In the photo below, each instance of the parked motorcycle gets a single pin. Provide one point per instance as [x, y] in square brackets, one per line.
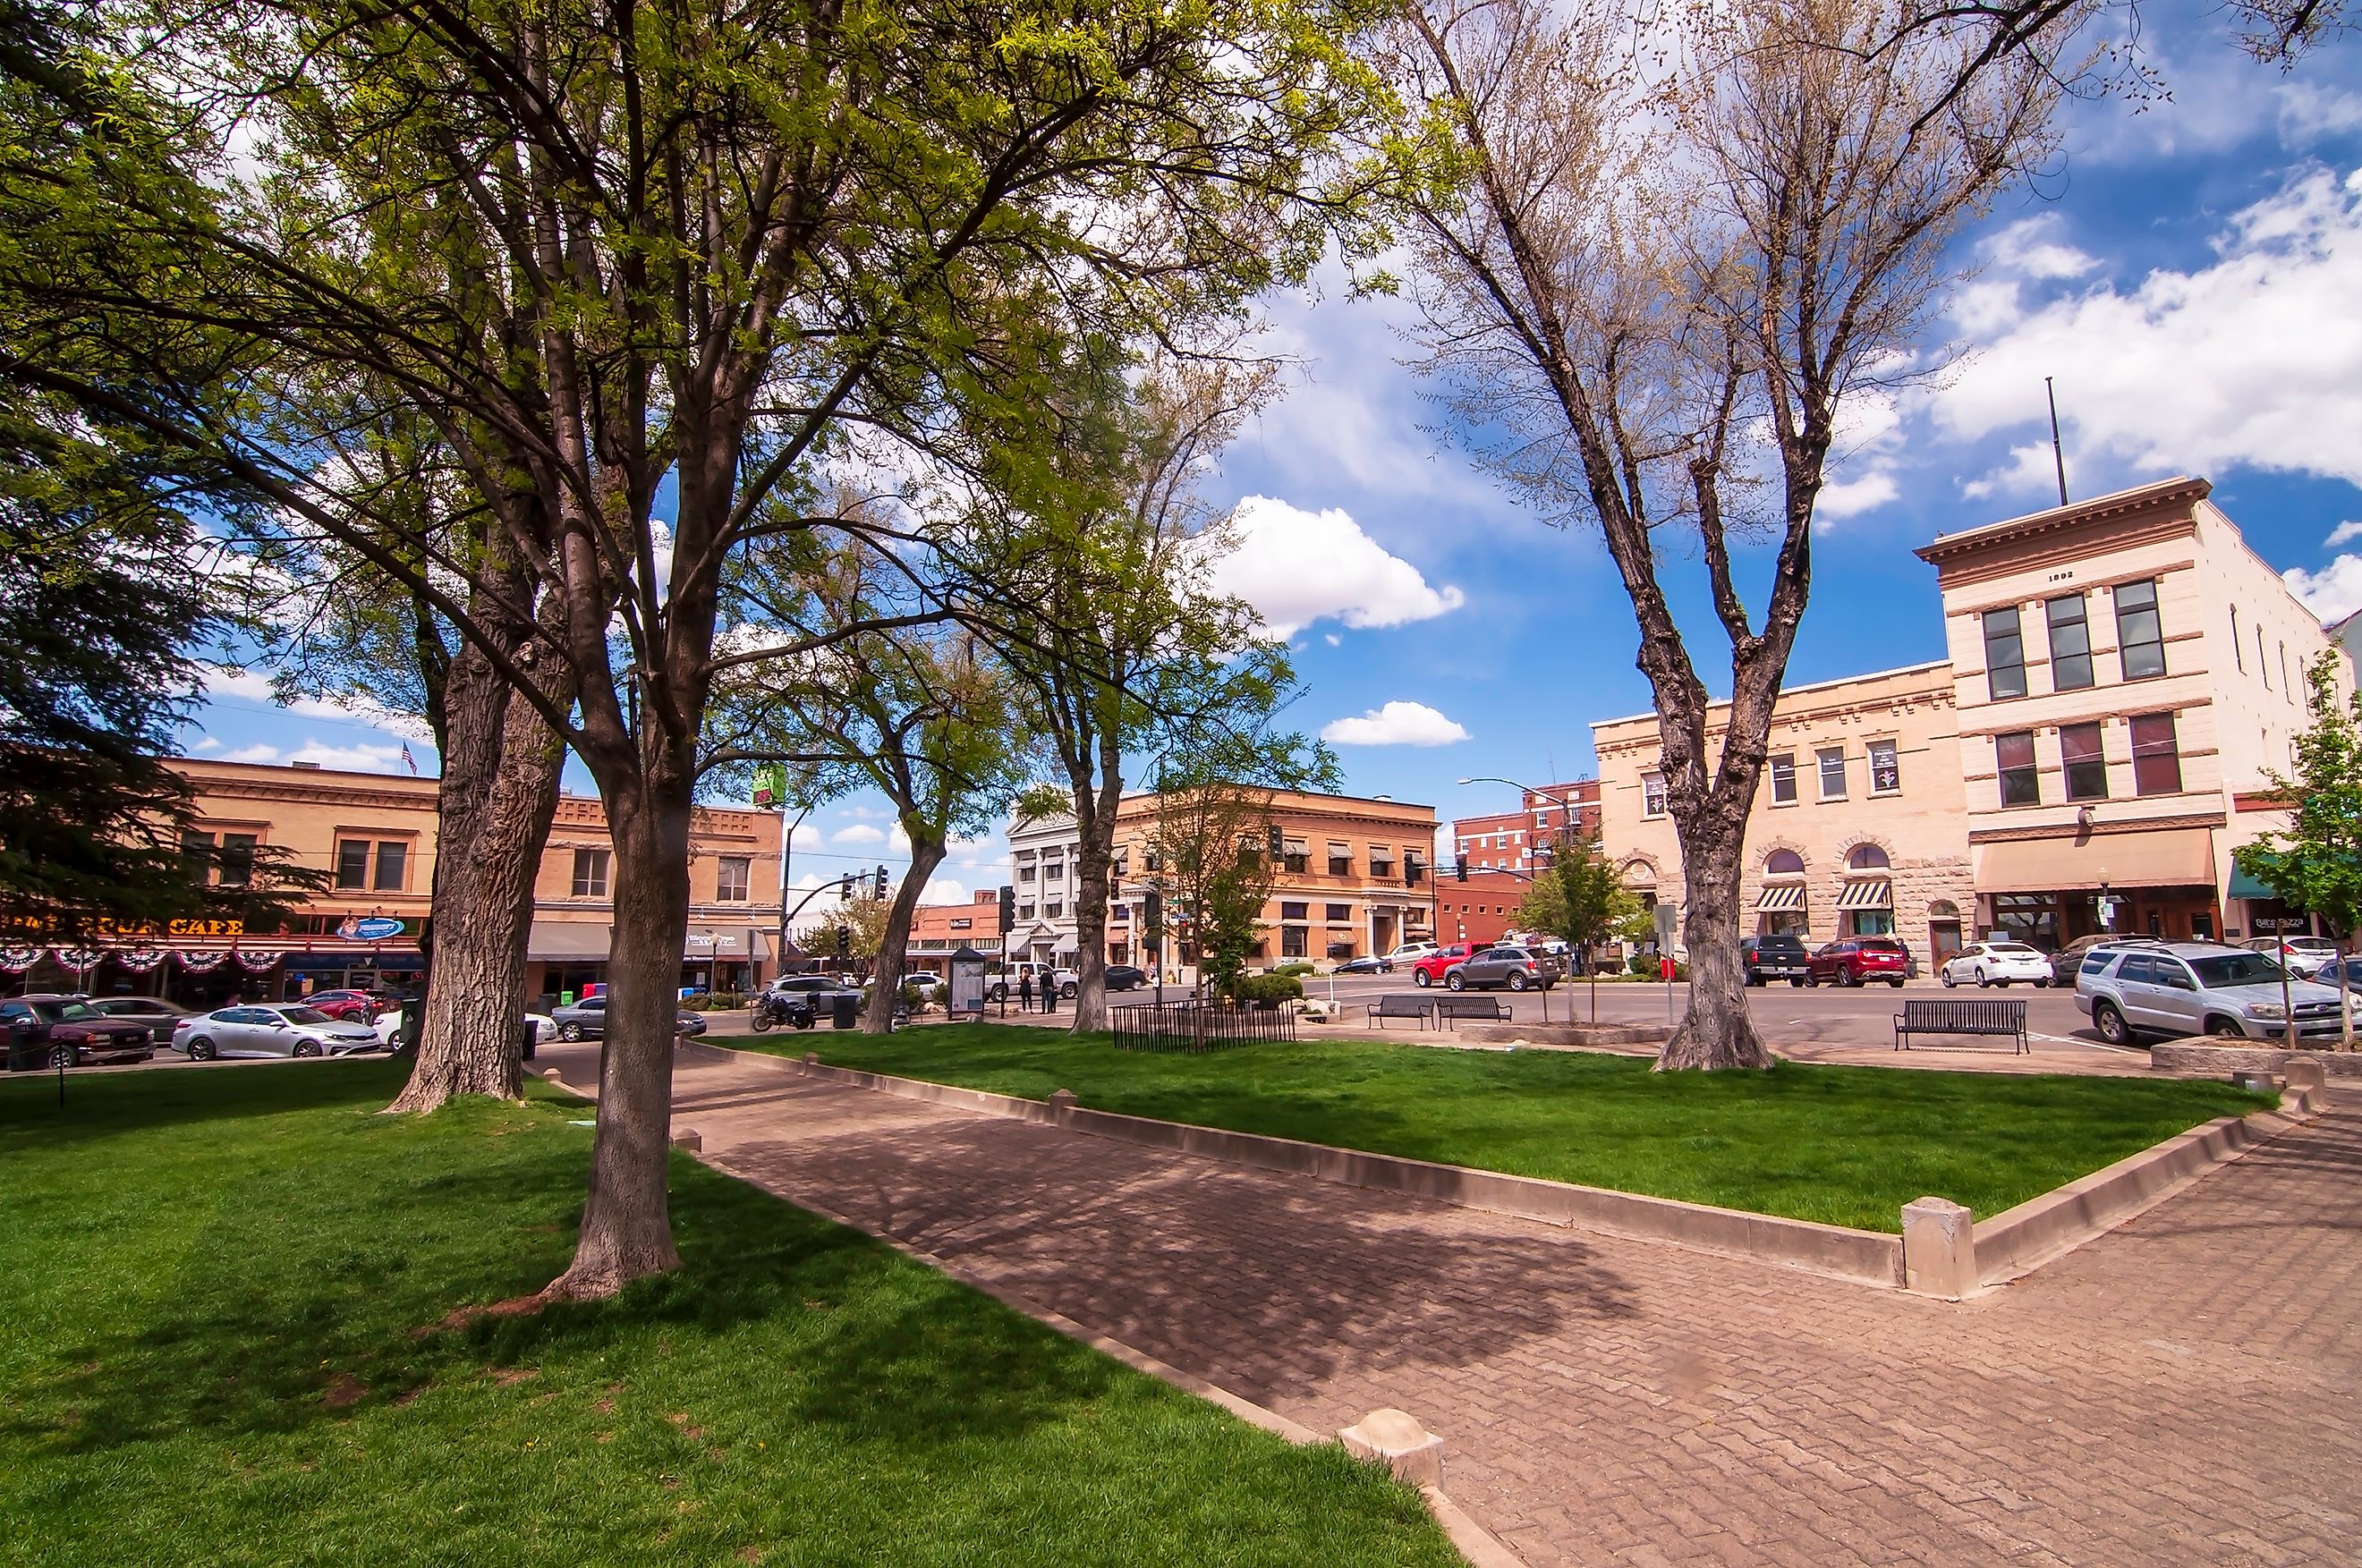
[781, 1009]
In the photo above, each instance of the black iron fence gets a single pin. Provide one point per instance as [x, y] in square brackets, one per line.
[1188, 1026]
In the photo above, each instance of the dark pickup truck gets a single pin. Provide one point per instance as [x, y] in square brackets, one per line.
[1778, 956]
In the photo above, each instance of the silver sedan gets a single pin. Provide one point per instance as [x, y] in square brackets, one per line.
[270, 1029]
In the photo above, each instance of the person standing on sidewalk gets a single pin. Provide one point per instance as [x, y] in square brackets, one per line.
[1050, 991]
[1025, 991]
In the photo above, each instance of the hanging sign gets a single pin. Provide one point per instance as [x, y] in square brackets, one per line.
[368, 927]
[770, 785]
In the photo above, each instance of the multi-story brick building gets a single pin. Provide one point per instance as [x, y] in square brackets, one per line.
[1353, 877]
[1858, 828]
[1482, 909]
[1511, 841]
[939, 930]
[374, 836]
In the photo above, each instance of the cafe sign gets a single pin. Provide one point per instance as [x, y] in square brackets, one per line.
[368, 927]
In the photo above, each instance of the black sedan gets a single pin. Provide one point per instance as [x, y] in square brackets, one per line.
[1369, 963]
[1125, 977]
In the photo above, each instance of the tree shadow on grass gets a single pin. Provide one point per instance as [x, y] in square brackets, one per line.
[1263, 1283]
[109, 1105]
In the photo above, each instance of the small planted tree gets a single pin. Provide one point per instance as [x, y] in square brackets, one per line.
[1581, 900]
[2316, 865]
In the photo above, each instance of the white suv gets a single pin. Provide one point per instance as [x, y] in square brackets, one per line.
[2197, 988]
[1410, 953]
[1006, 985]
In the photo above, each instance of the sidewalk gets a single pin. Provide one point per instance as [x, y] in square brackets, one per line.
[2186, 1389]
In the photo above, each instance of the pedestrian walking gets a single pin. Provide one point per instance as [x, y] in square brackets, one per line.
[1025, 991]
[1049, 991]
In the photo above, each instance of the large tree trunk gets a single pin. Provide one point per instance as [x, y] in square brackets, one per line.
[627, 1228]
[1717, 1030]
[1095, 809]
[499, 793]
[893, 948]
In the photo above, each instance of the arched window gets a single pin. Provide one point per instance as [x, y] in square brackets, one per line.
[1867, 858]
[1783, 863]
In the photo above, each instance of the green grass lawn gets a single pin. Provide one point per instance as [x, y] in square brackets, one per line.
[217, 1293]
[1846, 1145]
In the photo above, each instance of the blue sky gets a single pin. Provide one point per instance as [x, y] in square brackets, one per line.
[2193, 278]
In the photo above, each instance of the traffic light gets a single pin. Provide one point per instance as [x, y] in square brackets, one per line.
[1008, 909]
[845, 941]
[1460, 868]
[1411, 869]
[844, 888]
[1151, 913]
[1278, 844]
[881, 885]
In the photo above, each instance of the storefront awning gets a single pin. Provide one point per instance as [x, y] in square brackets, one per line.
[1780, 897]
[2172, 856]
[2244, 886]
[1867, 893]
[565, 942]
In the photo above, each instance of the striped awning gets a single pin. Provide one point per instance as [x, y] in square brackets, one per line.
[1867, 893]
[1780, 897]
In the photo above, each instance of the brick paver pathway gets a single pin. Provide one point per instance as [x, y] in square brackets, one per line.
[2186, 1389]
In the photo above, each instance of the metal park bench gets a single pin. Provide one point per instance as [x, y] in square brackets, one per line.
[1988, 1018]
[1488, 1008]
[1402, 1004]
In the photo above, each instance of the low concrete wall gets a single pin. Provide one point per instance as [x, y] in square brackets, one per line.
[2205, 1055]
[1634, 1038]
[2020, 1239]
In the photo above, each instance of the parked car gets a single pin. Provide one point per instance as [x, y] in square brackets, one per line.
[1857, 960]
[1996, 963]
[2198, 988]
[1010, 981]
[1368, 963]
[272, 1029]
[354, 1004]
[1778, 955]
[2070, 959]
[1410, 953]
[1126, 977]
[544, 1028]
[156, 1014]
[1519, 969]
[63, 1031]
[2307, 956]
[1431, 967]
[587, 1020]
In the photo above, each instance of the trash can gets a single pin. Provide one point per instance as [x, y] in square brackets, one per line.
[846, 1010]
[530, 1038]
[414, 1019]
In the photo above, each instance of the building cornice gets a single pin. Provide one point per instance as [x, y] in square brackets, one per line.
[2181, 490]
[2096, 830]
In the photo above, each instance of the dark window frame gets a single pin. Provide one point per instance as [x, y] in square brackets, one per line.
[353, 865]
[2154, 761]
[1782, 768]
[2084, 766]
[2021, 782]
[2070, 644]
[2005, 654]
[2135, 652]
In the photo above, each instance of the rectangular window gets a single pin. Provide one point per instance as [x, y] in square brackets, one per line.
[2013, 756]
[2086, 766]
[2288, 689]
[1340, 914]
[236, 859]
[730, 878]
[1382, 862]
[392, 859]
[1054, 908]
[2140, 639]
[1783, 779]
[591, 874]
[2238, 654]
[1292, 943]
[1292, 911]
[2005, 654]
[1833, 782]
[2157, 755]
[1652, 794]
[352, 862]
[2070, 644]
[1296, 862]
[1025, 873]
[1885, 768]
[1025, 912]
[1341, 861]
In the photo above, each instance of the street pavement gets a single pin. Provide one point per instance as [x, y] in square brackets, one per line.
[2186, 1389]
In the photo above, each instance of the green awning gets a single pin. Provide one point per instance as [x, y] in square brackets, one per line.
[2244, 886]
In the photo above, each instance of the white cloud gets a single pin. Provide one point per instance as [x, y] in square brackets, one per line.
[859, 833]
[1332, 639]
[361, 759]
[2255, 360]
[1297, 568]
[206, 744]
[244, 686]
[2333, 593]
[2031, 470]
[898, 841]
[942, 890]
[1399, 723]
[1849, 497]
[2344, 533]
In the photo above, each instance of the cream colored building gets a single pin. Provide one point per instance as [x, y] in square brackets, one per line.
[2126, 671]
[1857, 829]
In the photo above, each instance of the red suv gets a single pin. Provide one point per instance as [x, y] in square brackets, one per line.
[350, 1006]
[1430, 970]
[1856, 961]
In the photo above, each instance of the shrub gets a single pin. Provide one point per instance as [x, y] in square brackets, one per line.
[912, 998]
[713, 1001]
[1295, 967]
[1640, 963]
[1267, 989]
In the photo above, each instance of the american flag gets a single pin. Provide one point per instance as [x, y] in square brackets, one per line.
[407, 759]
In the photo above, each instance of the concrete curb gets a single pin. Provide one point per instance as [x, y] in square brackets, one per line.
[1862, 1257]
[2215, 1059]
[2018, 1241]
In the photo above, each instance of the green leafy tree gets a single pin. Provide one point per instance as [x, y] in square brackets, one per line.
[1581, 900]
[2316, 865]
